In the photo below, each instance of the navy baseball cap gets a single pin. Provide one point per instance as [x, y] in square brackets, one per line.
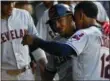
[57, 11]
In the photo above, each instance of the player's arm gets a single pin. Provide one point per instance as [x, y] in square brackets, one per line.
[55, 48]
[75, 45]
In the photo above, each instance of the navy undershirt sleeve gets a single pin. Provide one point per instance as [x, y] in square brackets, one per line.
[56, 48]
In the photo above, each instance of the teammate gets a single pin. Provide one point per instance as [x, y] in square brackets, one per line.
[15, 23]
[88, 56]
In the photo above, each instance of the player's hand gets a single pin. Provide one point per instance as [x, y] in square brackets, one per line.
[27, 40]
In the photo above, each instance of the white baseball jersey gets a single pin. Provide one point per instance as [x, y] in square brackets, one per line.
[102, 14]
[44, 29]
[92, 61]
[14, 54]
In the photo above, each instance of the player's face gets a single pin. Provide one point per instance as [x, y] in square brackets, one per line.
[7, 7]
[78, 19]
[64, 25]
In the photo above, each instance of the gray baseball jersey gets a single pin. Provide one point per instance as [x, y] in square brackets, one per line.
[63, 64]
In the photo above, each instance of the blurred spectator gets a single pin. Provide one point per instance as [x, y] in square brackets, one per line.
[40, 8]
[106, 5]
[25, 5]
[102, 15]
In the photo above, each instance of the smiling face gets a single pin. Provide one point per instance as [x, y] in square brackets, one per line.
[7, 8]
[64, 25]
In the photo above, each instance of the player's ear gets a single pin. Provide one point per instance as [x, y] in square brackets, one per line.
[81, 15]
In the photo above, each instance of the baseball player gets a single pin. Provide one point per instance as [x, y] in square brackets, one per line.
[90, 59]
[15, 23]
[44, 31]
[54, 62]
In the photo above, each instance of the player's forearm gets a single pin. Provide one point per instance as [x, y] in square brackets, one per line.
[55, 48]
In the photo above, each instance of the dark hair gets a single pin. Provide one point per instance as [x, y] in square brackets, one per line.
[88, 7]
[6, 2]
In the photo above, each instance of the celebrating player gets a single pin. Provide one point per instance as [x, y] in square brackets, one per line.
[89, 46]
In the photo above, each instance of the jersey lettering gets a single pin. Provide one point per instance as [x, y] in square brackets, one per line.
[105, 69]
[21, 33]
[77, 37]
[12, 34]
[16, 35]
[3, 38]
[105, 59]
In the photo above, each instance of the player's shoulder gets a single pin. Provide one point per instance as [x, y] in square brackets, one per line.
[92, 30]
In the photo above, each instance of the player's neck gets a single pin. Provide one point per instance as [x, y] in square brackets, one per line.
[91, 22]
